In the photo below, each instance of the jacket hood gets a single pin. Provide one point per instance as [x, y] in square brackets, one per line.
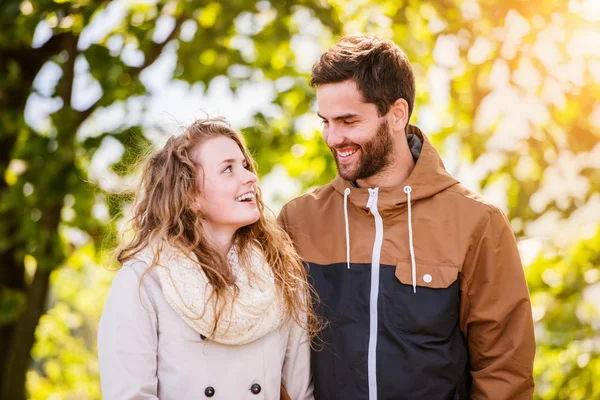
[428, 177]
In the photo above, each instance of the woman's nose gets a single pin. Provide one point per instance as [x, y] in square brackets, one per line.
[249, 177]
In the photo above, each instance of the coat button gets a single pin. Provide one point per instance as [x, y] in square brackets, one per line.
[255, 388]
[209, 391]
[427, 278]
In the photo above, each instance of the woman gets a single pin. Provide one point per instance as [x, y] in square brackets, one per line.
[210, 301]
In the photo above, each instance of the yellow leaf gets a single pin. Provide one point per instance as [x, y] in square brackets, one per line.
[208, 15]
[208, 57]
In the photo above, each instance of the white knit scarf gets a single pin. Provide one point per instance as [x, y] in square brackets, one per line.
[257, 310]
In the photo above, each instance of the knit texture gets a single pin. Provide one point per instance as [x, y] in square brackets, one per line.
[256, 311]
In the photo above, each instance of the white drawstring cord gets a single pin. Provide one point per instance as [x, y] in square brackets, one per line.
[346, 193]
[408, 190]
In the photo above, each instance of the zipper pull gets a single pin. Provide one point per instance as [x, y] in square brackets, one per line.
[372, 197]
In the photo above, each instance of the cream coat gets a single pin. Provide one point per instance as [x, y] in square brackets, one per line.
[147, 351]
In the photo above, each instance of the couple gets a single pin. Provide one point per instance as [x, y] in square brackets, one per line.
[417, 287]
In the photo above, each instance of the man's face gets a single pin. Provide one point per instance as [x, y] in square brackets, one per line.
[360, 140]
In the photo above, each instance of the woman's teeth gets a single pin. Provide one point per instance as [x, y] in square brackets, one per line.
[244, 197]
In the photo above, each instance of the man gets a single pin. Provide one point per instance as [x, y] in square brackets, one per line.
[419, 278]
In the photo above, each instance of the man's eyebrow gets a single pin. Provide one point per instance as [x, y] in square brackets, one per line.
[340, 117]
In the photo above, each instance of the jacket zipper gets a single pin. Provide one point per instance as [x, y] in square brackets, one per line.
[373, 303]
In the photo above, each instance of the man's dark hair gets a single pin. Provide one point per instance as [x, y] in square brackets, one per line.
[379, 67]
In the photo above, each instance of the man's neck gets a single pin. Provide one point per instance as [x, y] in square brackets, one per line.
[395, 174]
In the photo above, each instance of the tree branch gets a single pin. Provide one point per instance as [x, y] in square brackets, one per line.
[153, 54]
[68, 78]
[156, 51]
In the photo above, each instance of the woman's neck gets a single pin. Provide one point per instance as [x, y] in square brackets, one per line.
[221, 237]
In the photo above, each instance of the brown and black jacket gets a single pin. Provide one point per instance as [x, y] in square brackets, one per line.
[422, 286]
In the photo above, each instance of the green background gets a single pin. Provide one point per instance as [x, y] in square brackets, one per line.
[509, 92]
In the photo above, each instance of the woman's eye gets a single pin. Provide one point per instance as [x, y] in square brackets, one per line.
[228, 169]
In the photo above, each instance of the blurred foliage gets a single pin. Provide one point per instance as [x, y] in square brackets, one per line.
[509, 92]
[562, 285]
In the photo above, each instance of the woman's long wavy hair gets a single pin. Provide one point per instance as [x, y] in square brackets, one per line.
[166, 209]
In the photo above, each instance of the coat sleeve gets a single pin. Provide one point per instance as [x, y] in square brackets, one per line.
[496, 315]
[296, 374]
[128, 339]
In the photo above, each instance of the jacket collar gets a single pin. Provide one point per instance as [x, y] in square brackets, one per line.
[428, 178]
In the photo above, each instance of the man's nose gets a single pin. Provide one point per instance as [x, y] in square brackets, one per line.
[333, 136]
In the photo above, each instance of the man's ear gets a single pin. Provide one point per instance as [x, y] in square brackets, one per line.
[399, 115]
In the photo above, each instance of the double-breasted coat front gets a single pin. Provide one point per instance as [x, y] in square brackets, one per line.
[147, 351]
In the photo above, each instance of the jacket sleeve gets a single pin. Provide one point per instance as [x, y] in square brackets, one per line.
[496, 315]
[128, 340]
[296, 374]
[283, 219]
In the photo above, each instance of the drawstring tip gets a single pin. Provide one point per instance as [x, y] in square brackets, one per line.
[414, 289]
[346, 194]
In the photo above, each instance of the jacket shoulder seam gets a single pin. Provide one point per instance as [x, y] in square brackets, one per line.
[302, 196]
[490, 207]
[317, 189]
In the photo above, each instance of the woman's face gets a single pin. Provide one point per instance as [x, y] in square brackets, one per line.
[227, 187]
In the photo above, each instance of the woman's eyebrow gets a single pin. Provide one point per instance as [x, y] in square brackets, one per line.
[232, 160]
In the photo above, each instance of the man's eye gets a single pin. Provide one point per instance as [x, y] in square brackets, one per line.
[324, 122]
[349, 122]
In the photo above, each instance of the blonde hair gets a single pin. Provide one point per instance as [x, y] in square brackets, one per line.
[166, 208]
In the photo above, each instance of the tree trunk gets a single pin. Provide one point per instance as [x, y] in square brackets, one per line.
[12, 273]
[18, 356]
[11, 277]
[17, 337]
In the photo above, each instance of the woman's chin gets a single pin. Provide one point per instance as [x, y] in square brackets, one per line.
[250, 220]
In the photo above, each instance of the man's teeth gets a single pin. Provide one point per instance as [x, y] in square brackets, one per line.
[347, 153]
[247, 196]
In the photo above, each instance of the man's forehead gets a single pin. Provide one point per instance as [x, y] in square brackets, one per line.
[346, 90]
[336, 100]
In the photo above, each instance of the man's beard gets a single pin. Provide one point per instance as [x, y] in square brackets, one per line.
[375, 156]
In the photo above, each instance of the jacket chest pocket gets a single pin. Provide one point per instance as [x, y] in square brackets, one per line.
[433, 308]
